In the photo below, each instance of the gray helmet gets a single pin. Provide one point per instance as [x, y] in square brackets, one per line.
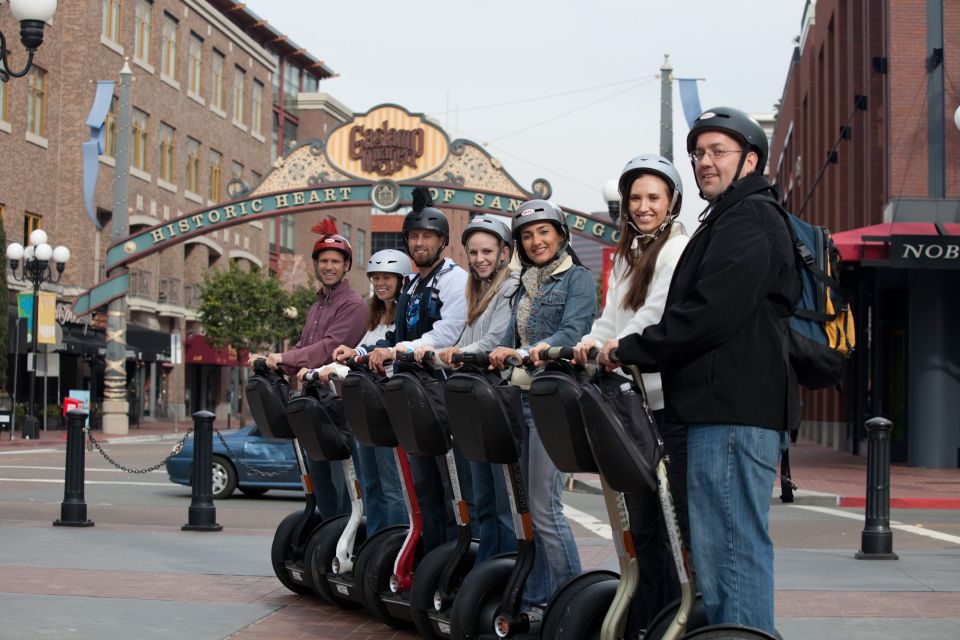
[538, 211]
[429, 219]
[489, 224]
[389, 261]
[658, 166]
[736, 123]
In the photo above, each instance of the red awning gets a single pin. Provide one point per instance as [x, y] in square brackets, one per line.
[199, 351]
[869, 243]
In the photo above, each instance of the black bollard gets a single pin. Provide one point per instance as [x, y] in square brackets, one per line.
[876, 541]
[73, 509]
[202, 515]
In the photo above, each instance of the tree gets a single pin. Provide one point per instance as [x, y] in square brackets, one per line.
[295, 311]
[243, 310]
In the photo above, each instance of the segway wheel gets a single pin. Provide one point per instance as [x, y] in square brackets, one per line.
[281, 551]
[477, 601]
[427, 580]
[321, 550]
[577, 610]
[372, 572]
[729, 632]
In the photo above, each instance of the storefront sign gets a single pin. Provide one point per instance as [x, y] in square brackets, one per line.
[387, 142]
[925, 252]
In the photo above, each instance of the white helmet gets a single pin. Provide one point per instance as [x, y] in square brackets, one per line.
[389, 261]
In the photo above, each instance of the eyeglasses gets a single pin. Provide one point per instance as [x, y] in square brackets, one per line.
[716, 154]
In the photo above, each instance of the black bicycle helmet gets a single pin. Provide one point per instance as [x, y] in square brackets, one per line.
[425, 217]
[736, 123]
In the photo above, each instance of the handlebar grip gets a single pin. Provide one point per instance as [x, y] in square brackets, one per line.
[406, 356]
[312, 376]
[514, 361]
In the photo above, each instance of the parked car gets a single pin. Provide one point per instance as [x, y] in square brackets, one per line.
[254, 464]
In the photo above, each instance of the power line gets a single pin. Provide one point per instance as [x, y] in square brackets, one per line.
[537, 98]
[563, 115]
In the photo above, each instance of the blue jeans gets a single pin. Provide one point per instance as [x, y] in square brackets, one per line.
[730, 473]
[380, 480]
[494, 519]
[557, 559]
[329, 487]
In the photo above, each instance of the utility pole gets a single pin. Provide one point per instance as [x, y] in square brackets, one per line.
[116, 419]
[666, 108]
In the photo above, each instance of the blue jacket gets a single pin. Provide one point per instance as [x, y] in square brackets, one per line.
[562, 314]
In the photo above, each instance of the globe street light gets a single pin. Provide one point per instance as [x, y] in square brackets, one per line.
[33, 16]
[611, 196]
[36, 270]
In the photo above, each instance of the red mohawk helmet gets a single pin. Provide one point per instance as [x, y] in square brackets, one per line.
[333, 242]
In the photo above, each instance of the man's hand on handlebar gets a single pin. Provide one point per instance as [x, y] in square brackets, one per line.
[380, 355]
[343, 353]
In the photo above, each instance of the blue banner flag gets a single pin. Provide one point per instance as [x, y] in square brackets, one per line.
[92, 148]
[690, 99]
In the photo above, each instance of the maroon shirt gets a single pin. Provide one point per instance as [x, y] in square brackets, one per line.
[337, 318]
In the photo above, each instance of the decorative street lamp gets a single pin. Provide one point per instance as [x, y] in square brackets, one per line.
[33, 16]
[36, 270]
[611, 196]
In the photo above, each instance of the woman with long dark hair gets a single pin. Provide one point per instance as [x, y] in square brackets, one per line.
[650, 245]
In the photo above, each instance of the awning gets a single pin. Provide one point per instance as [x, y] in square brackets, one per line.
[873, 243]
[200, 351]
[148, 344]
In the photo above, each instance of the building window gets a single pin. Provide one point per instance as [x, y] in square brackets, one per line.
[31, 222]
[256, 116]
[287, 234]
[166, 152]
[216, 159]
[110, 29]
[291, 82]
[196, 63]
[236, 170]
[386, 240]
[141, 44]
[346, 231]
[110, 128]
[169, 62]
[239, 78]
[216, 92]
[360, 250]
[37, 102]
[310, 83]
[193, 165]
[139, 123]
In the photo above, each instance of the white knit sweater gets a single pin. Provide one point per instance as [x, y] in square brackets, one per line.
[616, 322]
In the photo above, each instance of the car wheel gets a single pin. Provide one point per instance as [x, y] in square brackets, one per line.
[253, 492]
[224, 478]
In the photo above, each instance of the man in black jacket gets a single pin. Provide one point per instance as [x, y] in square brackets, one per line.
[721, 351]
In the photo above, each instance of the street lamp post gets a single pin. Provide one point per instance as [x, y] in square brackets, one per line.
[33, 16]
[36, 270]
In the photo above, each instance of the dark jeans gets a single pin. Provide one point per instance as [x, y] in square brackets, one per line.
[494, 517]
[435, 496]
[658, 584]
[329, 487]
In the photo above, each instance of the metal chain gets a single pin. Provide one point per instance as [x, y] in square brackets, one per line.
[176, 450]
[249, 469]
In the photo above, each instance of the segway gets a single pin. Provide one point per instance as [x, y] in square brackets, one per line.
[488, 428]
[267, 394]
[593, 604]
[317, 420]
[387, 558]
[419, 418]
[627, 463]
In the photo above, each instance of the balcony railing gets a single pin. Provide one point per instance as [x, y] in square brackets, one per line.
[141, 283]
[169, 291]
[191, 296]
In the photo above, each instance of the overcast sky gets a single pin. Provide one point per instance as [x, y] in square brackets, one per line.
[452, 60]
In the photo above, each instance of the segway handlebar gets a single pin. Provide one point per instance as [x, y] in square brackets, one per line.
[408, 356]
[482, 359]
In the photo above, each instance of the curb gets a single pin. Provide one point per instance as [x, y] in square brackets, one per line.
[902, 503]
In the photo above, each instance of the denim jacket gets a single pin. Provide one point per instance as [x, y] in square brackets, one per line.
[564, 312]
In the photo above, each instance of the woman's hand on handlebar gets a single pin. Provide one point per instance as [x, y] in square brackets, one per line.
[604, 357]
[581, 352]
[343, 353]
[420, 352]
[499, 356]
[378, 356]
[446, 356]
[535, 353]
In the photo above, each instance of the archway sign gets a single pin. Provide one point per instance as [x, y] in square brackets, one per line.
[376, 159]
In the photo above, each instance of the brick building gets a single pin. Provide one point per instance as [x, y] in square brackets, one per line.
[865, 144]
[215, 91]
